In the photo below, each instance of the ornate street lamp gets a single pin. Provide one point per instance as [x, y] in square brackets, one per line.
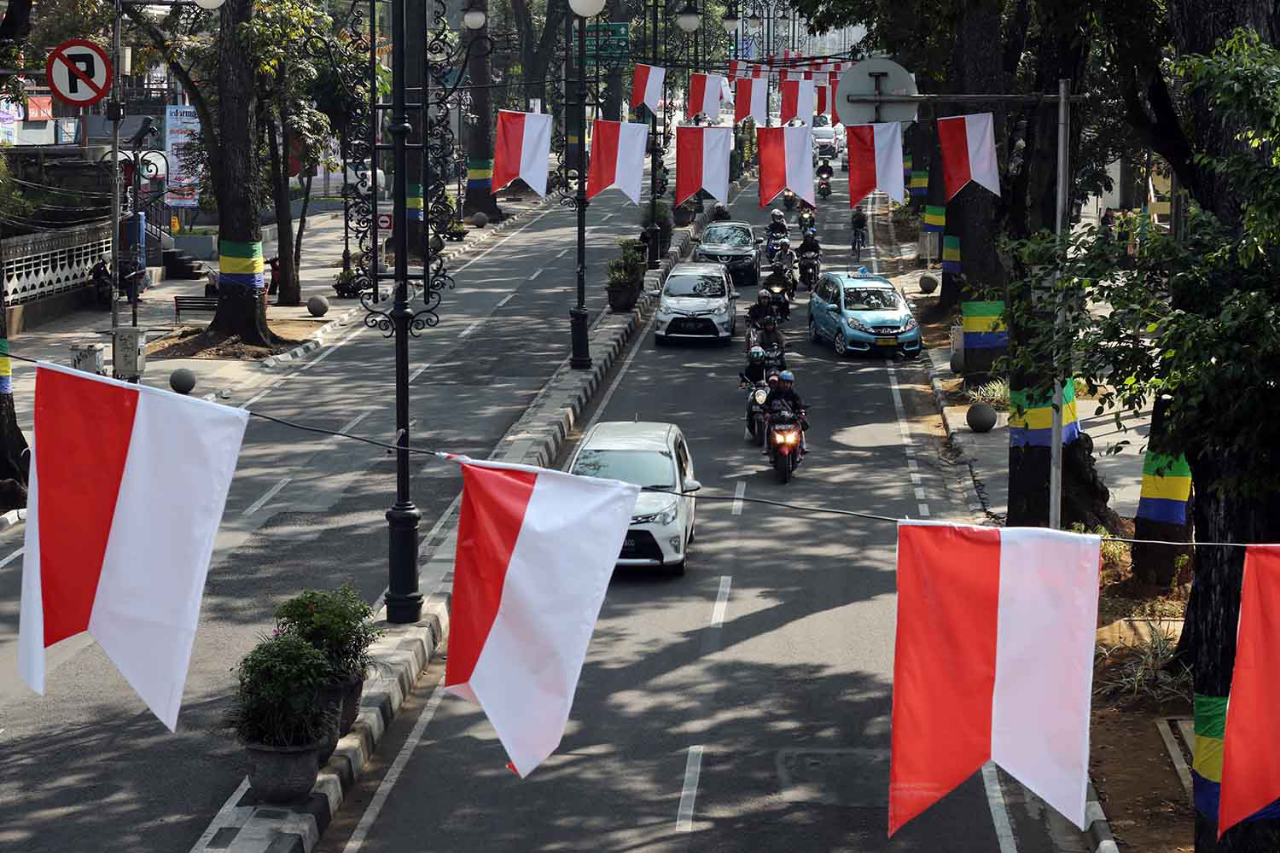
[731, 21]
[689, 17]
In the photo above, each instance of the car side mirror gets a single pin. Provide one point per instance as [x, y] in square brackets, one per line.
[759, 241]
[696, 240]
[692, 485]
[834, 309]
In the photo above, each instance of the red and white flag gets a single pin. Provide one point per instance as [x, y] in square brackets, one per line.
[522, 150]
[126, 491]
[704, 96]
[824, 101]
[702, 162]
[875, 161]
[993, 662]
[1251, 742]
[536, 549]
[968, 152]
[751, 100]
[798, 101]
[617, 158]
[646, 86]
[739, 68]
[786, 161]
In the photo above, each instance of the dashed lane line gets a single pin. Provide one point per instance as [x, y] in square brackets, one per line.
[271, 493]
[689, 795]
[738, 492]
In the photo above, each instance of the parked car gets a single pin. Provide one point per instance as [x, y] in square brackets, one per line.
[698, 301]
[858, 312]
[735, 245]
[655, 457]
[360, 178]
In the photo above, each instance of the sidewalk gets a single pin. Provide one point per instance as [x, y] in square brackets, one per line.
[321, 261]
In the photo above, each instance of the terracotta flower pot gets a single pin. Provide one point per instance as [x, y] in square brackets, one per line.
[623, 298]
[282, 774]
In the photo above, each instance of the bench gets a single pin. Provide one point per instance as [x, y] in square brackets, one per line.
[207, 304]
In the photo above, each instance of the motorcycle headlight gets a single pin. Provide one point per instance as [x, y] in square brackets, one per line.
[760, 396]
[857, 325]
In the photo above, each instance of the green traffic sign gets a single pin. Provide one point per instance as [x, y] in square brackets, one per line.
[606, 40]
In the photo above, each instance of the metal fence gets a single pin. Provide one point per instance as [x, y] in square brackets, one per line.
[37, 266]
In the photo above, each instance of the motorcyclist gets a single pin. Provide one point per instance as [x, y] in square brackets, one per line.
[101, 277]
[780, 277]
[825, 170]
[785, 394]
[771, 337]
[785, 255]
[755, 370]
[719, 213]
[762, 308]
[810, 243]
[777, 224]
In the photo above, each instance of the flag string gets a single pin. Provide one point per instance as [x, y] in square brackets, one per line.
[819, 510]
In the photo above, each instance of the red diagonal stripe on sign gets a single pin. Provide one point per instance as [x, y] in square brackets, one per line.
[84, 78]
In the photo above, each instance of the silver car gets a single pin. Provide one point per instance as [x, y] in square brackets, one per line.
[698, 301]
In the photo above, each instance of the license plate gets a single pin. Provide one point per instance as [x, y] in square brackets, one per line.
[629, 544]
[886, 342]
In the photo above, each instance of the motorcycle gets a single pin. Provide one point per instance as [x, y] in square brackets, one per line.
[755, 412]
[774, 360]
[805, 220]
[824, 188]
[788, 199]
[102, 290]
[785, 438]
[771, 245]
[810, 266]
[785, 291]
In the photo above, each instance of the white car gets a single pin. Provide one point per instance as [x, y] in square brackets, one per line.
[360, 178]
[698, 301]
[655, 457]
[825, 144]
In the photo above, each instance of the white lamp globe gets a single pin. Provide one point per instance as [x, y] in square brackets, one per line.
[473, 19]
[730, 22]
[586, 8]
[210, 5]
[688, 19]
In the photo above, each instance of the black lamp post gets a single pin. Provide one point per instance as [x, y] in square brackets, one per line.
[580, 358]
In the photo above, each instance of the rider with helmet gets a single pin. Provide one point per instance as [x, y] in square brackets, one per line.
[719, 213]
[755, 370]
[781, 278]
[777, 224]
[858, 223]
[786, 256]
[785, 394]
[771, 337]
[762, 308]
[810, 242]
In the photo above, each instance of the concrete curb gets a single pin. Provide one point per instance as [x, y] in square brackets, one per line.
[951, 422]
[401, 654]
[1100, 836]
[404, 651]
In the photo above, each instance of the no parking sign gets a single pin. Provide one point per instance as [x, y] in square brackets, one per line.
[79, 72]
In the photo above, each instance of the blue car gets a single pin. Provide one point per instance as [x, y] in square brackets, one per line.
[859, 312]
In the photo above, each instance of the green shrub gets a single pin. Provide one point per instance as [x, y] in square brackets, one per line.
[275, 702]
[339, 624]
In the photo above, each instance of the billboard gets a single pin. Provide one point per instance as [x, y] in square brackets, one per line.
[181, 129]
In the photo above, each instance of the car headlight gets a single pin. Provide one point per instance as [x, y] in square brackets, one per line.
[910, 324]
[665, 308]
[664, 517]
[857, 325]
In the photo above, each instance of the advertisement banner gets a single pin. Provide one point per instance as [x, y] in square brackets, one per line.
[181, 128]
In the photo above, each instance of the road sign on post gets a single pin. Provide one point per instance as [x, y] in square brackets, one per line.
[609, 42]
[79, 72]
[385, 222]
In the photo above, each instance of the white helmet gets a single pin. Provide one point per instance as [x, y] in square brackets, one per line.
[784, 243]
[776, 215]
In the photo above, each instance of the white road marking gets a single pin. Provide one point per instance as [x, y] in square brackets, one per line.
[500, 242]
[15, 555]
[722, 601]
[506, 299]
[357, 839]
[692, 770]
[351, 424]
[908, 445]
[920, 495]
[562, 253]
[271, 493]
[470, 328]
[999, 814]
[221, 818]
[924, 510]
[322, 356]
[536, 273]
[738, 491]
[915, 478]
[606, 217]
[418, 372]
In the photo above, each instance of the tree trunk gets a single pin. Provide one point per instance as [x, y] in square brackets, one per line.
[15, 455]
[302, 222]
[480, 198]
[242, 299]
[278, 140]
[1157, 565]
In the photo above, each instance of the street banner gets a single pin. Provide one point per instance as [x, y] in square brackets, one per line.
[536, 550]
[751, 100]
[704, 96]
[617, 158]
[702, 162]
[798, 101]
[875, 161]
[1245, 753]
[181, 130]
[522, 150]
[993, 662]
[646, 86]
[968, 146]
[786, 162]
[126, 492]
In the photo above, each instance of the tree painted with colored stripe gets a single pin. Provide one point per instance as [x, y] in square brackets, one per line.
[478, 131]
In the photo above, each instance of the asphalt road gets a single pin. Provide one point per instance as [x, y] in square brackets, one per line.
[87, 767]
[742, 707]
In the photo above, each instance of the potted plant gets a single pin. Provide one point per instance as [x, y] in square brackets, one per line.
[626, 276]
[277, 718]
[338, 624]
[683, 214]
[665, 225]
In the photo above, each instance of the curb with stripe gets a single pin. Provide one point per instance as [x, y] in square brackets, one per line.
[404, 651]
[1100, 837]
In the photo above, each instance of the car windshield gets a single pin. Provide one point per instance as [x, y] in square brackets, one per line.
[725, 236]
[870, 299]
[652, 469]
[695, 285]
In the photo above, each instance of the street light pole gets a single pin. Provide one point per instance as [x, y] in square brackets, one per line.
[580, 358]
[655, 163]
[115, 112]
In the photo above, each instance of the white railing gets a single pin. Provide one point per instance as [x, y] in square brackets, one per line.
[37, 266]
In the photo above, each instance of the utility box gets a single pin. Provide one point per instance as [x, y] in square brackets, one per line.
[91, 358]
[130, 352]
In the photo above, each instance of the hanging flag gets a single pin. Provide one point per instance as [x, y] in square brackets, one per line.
[875, 161]
[646, 86]
[821, 92]
[726, 94]
[751, 100]
[536, 549]
[1250, 761]
[797, 101]
[786, 161]
[702, 162]
[617, 158]
[968, 147]
[735, 68]
[704, 96]
[522, 150]
[127, 488]
[935, 218]
[993, 661]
